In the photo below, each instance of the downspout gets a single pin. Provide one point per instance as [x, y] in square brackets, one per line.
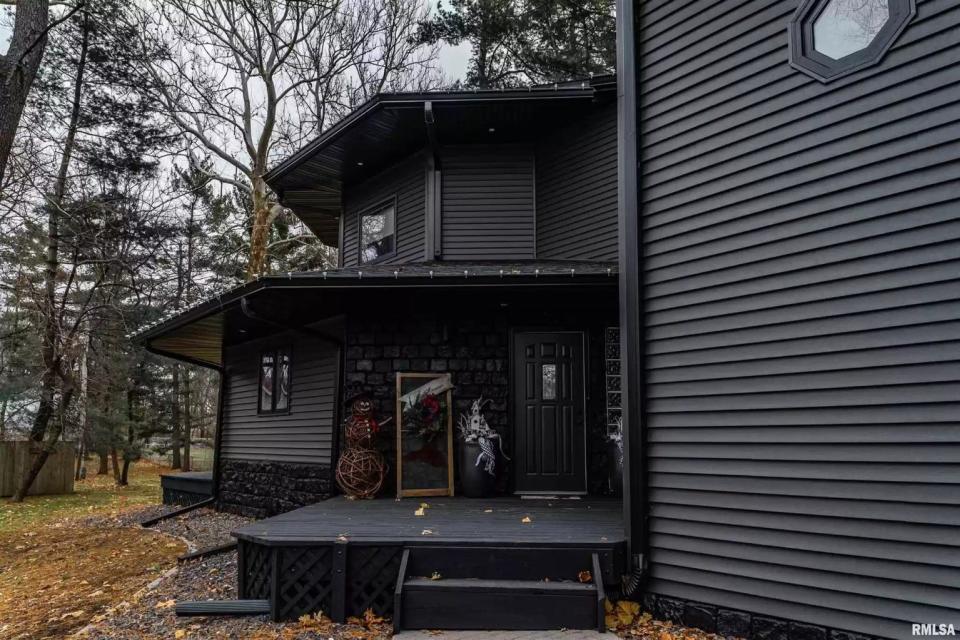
[632, 333]
[434, 194]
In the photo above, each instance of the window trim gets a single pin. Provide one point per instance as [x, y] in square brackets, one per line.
[275, 352]
[805, 58]
[382, 204]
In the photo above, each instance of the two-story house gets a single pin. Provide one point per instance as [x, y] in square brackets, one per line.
[747, 248]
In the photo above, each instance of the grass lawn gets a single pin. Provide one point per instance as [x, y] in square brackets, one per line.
[95, 495]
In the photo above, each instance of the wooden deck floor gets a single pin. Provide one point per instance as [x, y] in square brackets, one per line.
[589, 522]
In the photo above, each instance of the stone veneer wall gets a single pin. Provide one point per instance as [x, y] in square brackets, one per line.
[475, 350]
[732, 623]
[263, 489]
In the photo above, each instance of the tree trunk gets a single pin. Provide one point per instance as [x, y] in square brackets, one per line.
[76, 473]
[18, 68]
[260, 233]
[187, 421]
[48, 446]
[116, 465]
[51, 328]
[176, 437]
[104, 463]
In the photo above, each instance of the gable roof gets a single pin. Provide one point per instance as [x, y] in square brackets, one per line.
[391, 126]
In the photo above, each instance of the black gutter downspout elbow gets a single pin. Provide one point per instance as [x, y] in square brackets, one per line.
[632, 323]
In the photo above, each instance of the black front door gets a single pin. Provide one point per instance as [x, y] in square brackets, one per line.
[548, 392]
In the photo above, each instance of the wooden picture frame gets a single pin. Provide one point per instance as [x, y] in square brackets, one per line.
[420, 479]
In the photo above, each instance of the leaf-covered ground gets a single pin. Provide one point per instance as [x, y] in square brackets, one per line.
[79, 566]
[59, 567]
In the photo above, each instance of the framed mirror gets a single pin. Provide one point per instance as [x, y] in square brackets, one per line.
[424, 434]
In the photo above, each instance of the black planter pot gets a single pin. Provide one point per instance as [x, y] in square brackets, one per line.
[476, 482]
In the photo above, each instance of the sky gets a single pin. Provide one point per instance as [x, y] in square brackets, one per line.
[454, 60]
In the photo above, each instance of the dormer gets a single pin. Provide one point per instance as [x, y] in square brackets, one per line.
[464, 176]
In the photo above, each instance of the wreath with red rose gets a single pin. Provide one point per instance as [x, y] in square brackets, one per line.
[424, 417]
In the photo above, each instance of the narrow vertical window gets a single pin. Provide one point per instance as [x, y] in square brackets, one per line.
[549, 376]
[283, 381]
[275, 381]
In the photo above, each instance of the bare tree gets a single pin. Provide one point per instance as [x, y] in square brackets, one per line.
[250, 80]
[19, 66]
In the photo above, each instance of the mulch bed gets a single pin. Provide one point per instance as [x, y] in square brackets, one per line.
[151, 615]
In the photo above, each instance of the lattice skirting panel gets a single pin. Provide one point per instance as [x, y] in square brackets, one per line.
[339, 579]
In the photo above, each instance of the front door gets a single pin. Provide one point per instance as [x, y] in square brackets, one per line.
[548, 392]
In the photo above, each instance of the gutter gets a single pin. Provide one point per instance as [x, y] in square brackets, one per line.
[417, 100]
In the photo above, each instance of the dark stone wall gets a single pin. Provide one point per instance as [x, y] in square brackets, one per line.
[732, 623]
[263, 489]
[473, 344]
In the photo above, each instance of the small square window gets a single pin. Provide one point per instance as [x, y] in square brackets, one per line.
[377, 233]
[275, 382]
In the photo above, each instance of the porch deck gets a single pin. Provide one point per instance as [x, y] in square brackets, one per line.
[586, 522]
[343, 557]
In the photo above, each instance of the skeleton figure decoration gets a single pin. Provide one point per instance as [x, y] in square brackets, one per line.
[473, 427]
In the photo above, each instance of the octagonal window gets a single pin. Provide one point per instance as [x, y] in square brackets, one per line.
[848, 26]
[833, 38]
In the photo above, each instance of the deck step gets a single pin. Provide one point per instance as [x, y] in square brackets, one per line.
[499, 588]
[465, 603]
[223, 608]
[503, 563]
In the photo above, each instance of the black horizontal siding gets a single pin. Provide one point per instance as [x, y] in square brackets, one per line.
[802, 290]
[488, 203]
[305, 434]
[404, 182]
[577, 189]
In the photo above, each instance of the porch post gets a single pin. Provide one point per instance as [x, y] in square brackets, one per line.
[632, 342]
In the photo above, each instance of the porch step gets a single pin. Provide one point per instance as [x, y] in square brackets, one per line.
[510, 589]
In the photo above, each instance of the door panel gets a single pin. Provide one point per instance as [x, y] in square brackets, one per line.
[548, 391]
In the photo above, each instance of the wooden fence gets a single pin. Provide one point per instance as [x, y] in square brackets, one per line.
[55, 477]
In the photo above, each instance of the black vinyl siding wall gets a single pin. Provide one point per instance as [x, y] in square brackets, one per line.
[406, 182]
[305, 434]
[577, 190]
[488, 203]
[802, 292]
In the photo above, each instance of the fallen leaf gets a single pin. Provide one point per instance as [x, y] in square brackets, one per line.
[180, 633]
[665, 636]
[488, 510]
[584, 576]
[166, 604]
[424, 505]
[526, 520]
[436, 575]
[419, 512]
[426, 532]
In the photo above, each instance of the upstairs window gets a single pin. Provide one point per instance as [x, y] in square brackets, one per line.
[832, 38]
[377, 233]
[275, 377]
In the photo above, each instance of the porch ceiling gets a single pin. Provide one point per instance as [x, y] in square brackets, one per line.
[295, 301]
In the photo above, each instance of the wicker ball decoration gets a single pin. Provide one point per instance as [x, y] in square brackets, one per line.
[360, 472]
[359, 432]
